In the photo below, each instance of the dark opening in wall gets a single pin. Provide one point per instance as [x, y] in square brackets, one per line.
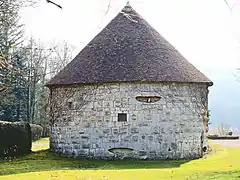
[70, 105]
[120, 149]
[148, 99]
[122, 117]
[204, 149]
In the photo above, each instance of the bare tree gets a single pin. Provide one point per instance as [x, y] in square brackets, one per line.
[223, 129]
[61, 56]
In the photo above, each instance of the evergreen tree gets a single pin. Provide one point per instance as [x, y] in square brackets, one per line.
[12, 66]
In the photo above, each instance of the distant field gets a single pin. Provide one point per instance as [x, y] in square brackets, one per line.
[222, 164]
[40, 145]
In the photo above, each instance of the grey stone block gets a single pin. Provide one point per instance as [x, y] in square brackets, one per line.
[134, 130]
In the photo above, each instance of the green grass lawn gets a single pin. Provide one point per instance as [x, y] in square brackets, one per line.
[222, 164]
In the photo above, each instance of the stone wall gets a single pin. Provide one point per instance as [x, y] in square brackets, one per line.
[85, 121]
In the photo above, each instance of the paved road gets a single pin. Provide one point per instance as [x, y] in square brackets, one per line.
[227, 143]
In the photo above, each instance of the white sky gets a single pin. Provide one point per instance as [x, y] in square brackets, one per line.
[204, 31]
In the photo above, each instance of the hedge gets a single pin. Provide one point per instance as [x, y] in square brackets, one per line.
[216, 137]
[37, 131]
[46, 131]
[15, 139]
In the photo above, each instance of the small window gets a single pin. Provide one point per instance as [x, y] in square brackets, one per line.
[122, 117]
[70, 105]
[148, 99]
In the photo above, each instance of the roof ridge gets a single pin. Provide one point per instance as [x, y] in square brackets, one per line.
[127, 8]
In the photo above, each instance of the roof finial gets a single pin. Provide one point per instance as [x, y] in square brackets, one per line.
[128, 3]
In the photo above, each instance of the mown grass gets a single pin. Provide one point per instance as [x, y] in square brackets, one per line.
[222, 164]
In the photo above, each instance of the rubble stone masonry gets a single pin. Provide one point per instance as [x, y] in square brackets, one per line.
[85, 120]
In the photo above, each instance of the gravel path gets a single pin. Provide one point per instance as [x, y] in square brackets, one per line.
[227, 143]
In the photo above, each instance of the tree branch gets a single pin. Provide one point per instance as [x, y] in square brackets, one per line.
[228, 4]
[48, 1]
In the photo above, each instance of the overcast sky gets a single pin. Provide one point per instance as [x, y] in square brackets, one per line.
[204, 31]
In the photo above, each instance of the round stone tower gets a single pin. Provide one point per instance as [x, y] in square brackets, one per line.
[129, 94]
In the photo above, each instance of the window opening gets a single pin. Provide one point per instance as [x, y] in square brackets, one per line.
[148, 99]
[70, 105]
[122, 117]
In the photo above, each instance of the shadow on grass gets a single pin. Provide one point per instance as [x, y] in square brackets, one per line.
[45, 161]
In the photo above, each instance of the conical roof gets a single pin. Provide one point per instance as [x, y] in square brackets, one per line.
[128, 49]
